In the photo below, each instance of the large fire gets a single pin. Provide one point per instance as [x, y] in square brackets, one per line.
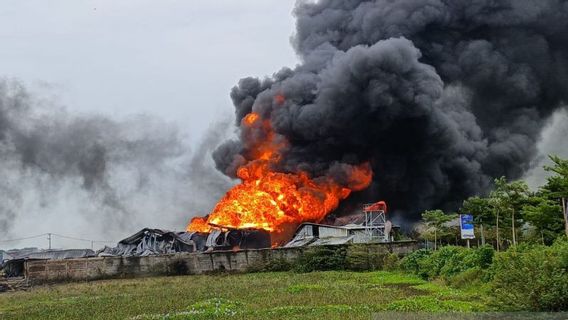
[275, 201]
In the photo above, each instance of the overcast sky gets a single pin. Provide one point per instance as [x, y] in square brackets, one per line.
[175, 59]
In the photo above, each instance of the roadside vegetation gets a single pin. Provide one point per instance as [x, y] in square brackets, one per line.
[524, 278]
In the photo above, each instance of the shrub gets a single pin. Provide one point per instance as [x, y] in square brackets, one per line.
[277, 265]
[468, 278]
[485, 256]
[357, 258]
[272, 265]
[321, 259]
[448, 262]
[414, 262]
[391, 262]
[532, 278]
[463, 260]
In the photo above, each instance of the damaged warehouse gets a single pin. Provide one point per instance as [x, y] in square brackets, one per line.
[162, 252]
[369, 226]
[150, 242]
[156, 241]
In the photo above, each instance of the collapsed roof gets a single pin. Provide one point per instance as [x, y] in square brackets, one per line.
[152, 241]
[157, 241]
[56, 254]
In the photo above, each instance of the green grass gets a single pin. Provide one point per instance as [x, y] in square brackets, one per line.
[281, 295]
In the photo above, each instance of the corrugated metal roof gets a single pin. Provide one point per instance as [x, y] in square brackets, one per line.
[321, 225]
[331, 241]
[57, 254]
[300, 242]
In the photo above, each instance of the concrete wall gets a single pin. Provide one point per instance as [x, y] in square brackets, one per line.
[42, 271]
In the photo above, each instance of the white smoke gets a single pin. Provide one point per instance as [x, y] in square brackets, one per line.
[96, 177]
[554, 141]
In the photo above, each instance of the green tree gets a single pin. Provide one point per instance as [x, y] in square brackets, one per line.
[509, 198]
[498, 206]
[436, 220]
[557, 185]
[546, 216]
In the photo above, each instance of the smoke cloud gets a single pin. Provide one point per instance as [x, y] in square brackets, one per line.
[92, 176]
[439, 96]
[553, 142]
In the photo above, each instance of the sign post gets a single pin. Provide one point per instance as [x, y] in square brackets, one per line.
[466, 227]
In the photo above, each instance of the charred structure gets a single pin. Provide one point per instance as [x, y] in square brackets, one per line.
[158, 242]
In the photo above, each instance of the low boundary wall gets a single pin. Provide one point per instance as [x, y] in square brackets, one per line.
[45, 271]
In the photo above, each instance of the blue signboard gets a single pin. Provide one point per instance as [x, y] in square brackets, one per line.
[466, 226]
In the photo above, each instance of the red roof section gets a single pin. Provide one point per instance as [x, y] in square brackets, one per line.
[377, 206]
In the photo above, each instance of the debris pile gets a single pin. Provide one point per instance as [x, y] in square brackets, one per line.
[150, 242]
[156, 241]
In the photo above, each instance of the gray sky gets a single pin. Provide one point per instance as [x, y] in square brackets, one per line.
[175, 59]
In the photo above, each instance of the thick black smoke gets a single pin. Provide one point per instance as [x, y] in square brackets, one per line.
[439, 95]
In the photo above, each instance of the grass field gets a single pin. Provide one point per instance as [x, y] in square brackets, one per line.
[329, 295]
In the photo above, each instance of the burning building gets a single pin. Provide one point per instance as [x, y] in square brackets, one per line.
[157, 241]
[370, 225]
[418, 102]
[274, 200]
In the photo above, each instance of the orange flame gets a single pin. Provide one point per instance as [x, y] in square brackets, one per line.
[273, 201]
[250, 118]
[199, 224]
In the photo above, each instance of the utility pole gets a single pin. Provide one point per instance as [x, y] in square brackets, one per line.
[49, 239]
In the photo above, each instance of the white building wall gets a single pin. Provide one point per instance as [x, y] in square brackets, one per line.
[325, 232]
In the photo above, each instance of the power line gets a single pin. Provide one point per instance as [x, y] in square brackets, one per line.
[57, 235]
[81, 239]
[25, 238]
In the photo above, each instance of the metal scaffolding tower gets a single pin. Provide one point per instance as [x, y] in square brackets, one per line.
[375, 220]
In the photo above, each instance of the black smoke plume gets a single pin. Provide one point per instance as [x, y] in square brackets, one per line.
[439, 95]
